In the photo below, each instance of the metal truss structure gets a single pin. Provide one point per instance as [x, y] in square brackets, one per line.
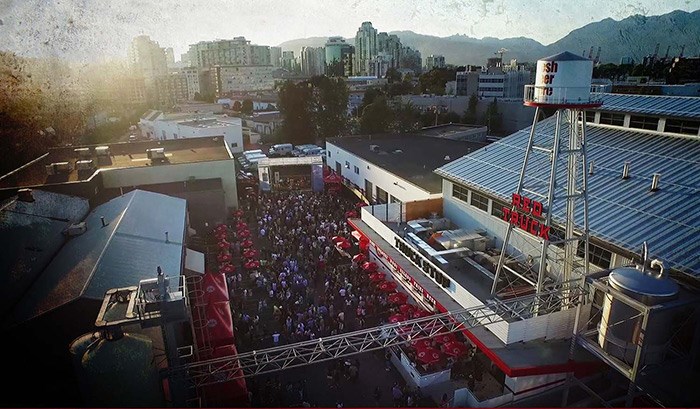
[212, 371]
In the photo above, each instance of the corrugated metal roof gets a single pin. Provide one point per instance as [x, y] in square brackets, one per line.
[30, 234]
[659, 105]
[622, 212]
[128, 249]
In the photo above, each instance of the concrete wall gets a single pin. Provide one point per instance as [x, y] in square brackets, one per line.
[403, 190]
[223, 169]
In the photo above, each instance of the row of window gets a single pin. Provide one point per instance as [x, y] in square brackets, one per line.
[679, 126]
[596, 254]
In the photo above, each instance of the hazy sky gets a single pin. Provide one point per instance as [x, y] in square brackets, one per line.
[97, 29]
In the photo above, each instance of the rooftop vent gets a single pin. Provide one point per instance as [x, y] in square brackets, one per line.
[82, 152]
[87, 164]
[25, 195]
[374, 148]
[447, 157]
[76, 229]
[655, 181]
[102, 151]
[626, 171]
[397, 151]
[591, 167]
[155, 153]
[57, 168]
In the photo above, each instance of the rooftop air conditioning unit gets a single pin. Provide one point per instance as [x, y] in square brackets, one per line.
[102, 151]
[155, 153]
[88, 164]
[58, 168]
[82, 152]
[374, 148]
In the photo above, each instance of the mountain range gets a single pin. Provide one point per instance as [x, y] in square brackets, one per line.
[634, 36]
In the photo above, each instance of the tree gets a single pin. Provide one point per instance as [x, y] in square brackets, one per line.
[370, 95]
[295, 107]
[236, 106]
[393, 75]
[247, 106]
[376, 117]
[470, 114]
[433, 81]
[329, 107]
[406, 117]
[492, 118]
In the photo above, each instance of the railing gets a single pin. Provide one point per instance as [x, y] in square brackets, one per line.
[544, 94]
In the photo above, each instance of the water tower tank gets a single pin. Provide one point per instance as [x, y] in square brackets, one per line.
[564, 78]
[620, 326]
[117, 370]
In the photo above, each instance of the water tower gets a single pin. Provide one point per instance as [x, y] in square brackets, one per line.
[563, 84]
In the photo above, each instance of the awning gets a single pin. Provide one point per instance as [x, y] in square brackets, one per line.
[194, 261]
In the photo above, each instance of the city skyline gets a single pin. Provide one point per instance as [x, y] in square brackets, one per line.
[97, 30]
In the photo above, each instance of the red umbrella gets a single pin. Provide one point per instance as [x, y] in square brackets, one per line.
[370, 266]
[351, 214]
[421, 314]
[223, 257]
[344, 245]
[397, 318]
[376, 277]
[387, 286]
[398, 298]
[241, 225]
[455, 348]
[247, 244]
[250, 253]
[244, 234]
[359, 258]
[360, 204]
[338, 239]
[429, 355]
[406, 309]
[252, 264]
[220, 227]
[223, 244]
[227, 269]
[221, 236]
[421, 344]
[238, 213]
[445, 338]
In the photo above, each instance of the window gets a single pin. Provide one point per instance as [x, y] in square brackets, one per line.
[392, 199]
[234, 144]
[357, 170]
[497, 208]
[460, 192]
[590, 117]
[328, 153]
[382, 195]
[683, 126]
[347, 165]
[644, 122]
[609, 118]
[369, 189]
[596, 255]
[480, 202]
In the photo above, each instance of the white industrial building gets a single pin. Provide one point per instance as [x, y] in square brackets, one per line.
[386, 169]
[163, 126]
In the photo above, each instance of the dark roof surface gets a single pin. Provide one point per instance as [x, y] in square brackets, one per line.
[122, 155]
[419, 155]
[127, 250]
[30, 235]
[622, 212]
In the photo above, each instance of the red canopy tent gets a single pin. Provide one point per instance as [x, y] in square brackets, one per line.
[421, 344]
[364, 244]
[428, 355]
[376, 277]
[337, 239]
[215, 288]
[219, 323]
[398, 298]
[232, 393]
[333, 181]
[387, 286]
[343, 245]
[359, 258]
[455, 348]
[421, 313]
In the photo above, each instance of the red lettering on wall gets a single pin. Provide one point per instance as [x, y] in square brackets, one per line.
[536, 208]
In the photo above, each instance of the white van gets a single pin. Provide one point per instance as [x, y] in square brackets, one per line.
[316, 150]
[281, 149]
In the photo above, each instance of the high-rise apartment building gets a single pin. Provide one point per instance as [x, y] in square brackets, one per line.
[390, 47]
[339, 57]
[171, 89]
[411, 59]
[276, 56]
[434, 61]
[313, 60]
[365, 48]
[289, 63]
[234, 79]
[169, 56]
[147, 59]
[237, 51]
[192, 75]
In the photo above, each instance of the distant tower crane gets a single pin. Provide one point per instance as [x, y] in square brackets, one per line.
[597, 57]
